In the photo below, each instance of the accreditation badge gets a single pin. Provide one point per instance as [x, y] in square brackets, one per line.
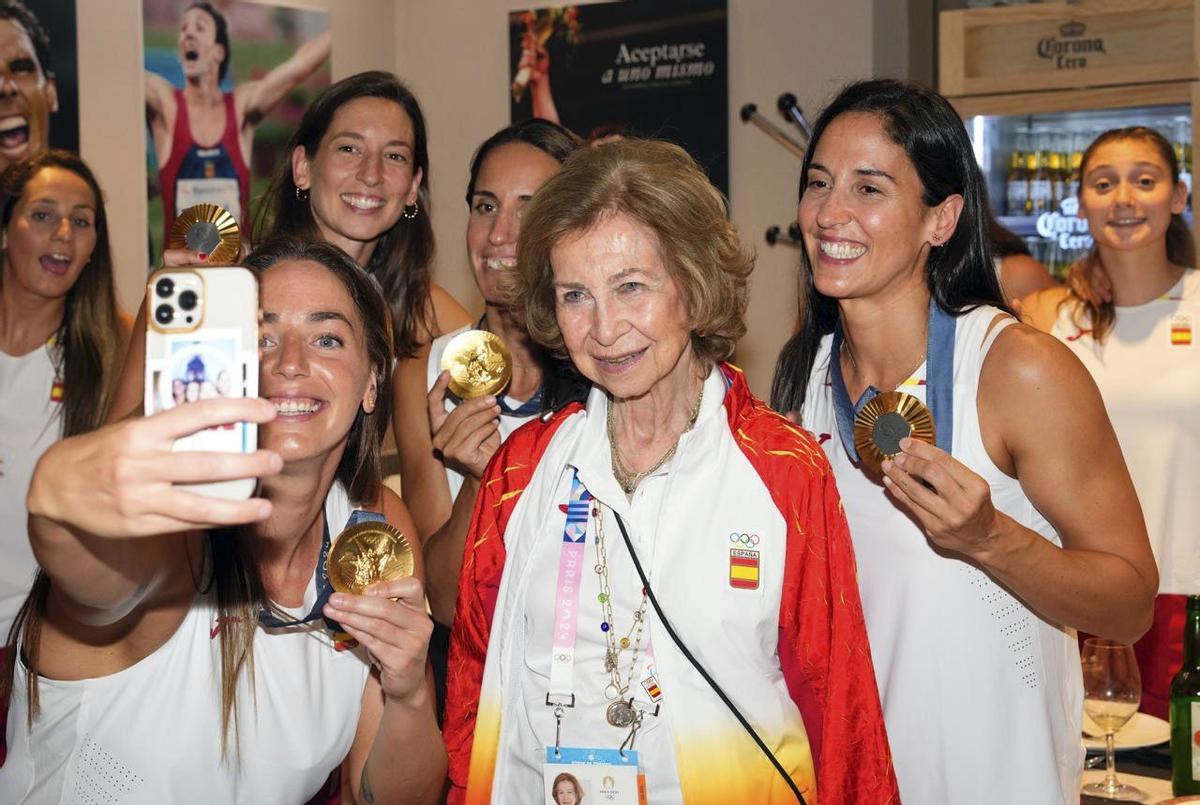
[592, 775]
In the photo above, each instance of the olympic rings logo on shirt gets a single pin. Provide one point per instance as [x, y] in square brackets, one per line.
[749, 540]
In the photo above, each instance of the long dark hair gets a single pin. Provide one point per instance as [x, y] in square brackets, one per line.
[1181, 250]
[560, 382]
[88, 342]
[403, 254]
[960, 274]
[233, 574]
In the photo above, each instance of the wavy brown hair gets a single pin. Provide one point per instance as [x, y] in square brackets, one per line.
[1086, 310]
[659, 185]
[403, 254]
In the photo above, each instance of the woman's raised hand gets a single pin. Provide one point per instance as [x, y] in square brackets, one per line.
[120, 481]
[468, 436]
[390, 622]
[952, 504]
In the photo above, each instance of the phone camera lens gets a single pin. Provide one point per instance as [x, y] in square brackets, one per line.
[164, 287]
[163, 314]
[187, 300]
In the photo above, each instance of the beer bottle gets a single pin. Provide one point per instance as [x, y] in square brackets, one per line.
[1076, 162]
[1016, 185]
[1057, 179]
[1040, 186]
[1185, 708]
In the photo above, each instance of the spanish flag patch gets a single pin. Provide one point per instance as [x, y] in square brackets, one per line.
[56, 392]
[743, 569]
[1181, 331]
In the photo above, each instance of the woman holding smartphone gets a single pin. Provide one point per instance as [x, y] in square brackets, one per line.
[168, 618]
[357, 177]
[60, 335]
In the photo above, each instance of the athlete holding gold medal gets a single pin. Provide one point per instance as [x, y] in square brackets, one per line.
[989, 505]
[272, 640]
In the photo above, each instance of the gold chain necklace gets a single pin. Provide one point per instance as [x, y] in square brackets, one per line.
[618, 712]
[628, 479]
[846, 351]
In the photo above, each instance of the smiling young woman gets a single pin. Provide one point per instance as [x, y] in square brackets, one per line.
[1141, 349]
[357, 176]
[977, 555]
[150, 589]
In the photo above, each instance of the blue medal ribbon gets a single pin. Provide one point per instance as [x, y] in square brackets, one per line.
[939, 382]
[324, 588]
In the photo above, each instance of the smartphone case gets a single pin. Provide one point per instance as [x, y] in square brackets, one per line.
[208, 350]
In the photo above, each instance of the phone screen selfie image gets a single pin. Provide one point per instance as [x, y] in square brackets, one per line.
[202, 344]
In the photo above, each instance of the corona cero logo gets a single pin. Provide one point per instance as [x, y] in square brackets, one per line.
[1069, 50]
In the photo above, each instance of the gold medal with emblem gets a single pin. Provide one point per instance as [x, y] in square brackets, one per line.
[209, 229]
[479, 364]
[884, 421]
[368, 553]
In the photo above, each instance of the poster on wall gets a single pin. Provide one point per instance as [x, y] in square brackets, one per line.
[37, 50]
[226, 83]
[628, 69]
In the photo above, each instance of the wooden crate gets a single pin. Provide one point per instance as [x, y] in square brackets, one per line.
[1055, 46]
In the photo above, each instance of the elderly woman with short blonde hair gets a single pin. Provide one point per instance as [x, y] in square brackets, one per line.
[659, 582]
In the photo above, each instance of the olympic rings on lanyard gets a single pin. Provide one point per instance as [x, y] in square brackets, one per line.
[749, 540]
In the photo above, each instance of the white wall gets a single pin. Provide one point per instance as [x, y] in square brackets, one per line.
[112, 106]
[455, 55]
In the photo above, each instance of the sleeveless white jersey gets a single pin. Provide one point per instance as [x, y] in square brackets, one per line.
[982, 699]
[152, 732]
[29, 425]
[508, 424]
[1148, 372]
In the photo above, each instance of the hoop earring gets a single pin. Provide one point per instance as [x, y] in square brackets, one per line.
[410, 211]
[301, 194]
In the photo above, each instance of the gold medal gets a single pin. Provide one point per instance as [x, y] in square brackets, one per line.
[884, 421]
[478, 363]
[367, 553]
[206, 228]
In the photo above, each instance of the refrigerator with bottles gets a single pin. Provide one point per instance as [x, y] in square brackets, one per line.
[1036, 83]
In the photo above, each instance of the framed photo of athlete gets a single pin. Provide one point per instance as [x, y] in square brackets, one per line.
[226, 80]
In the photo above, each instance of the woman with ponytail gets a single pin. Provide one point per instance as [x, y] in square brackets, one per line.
[980, 551]
[1140, 345]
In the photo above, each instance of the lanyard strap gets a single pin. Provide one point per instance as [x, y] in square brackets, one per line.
[324, 588]
[939, 382]
[571, 560]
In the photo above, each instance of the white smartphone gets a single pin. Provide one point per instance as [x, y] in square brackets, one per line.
[202, 342]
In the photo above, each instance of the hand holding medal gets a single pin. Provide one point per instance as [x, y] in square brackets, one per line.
[952, 504]
[381, 604]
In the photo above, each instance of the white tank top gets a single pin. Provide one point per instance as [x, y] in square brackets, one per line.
[152, 732]
[29, 425]
[1148, 372]
[508, 423]
[982, 699]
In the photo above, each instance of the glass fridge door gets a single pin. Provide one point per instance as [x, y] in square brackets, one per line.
[1031, 164]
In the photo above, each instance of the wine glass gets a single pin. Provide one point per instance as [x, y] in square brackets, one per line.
[1112, 691]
